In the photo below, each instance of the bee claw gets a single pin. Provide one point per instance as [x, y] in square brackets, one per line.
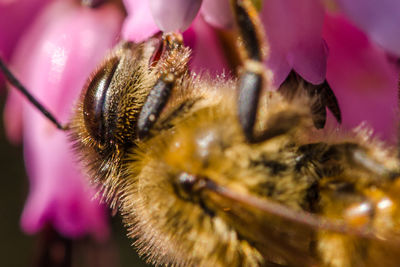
[322, 95]
[331, 102]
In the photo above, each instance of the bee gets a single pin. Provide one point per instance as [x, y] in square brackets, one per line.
[223, 172]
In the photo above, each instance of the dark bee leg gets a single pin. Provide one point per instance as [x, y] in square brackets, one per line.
[251, 79]
[160, 93]
[155, 102]
[250, 86]
[250, 29]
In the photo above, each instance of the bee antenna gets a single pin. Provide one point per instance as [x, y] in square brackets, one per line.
[17, 84]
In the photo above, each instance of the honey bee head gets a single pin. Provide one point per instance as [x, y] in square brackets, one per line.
[104, 123]
[114, 95]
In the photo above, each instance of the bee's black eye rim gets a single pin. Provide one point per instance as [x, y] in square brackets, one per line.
[96, 107]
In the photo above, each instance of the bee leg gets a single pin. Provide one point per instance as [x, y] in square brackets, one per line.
[251, 79]
[250, 85]
[173, 65]
[154, 103]
[251, 82]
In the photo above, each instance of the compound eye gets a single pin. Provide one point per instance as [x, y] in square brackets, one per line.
[96, 102]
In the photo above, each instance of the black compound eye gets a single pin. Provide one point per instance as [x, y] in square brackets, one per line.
[96, 102]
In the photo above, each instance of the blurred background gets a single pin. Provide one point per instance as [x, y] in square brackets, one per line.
[19, 249]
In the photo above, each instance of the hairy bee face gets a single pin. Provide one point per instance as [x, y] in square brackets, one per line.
[105, 121]
[116, 93]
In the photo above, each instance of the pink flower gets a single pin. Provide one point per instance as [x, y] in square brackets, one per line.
[379, 19]
[145, 15]
[207, 53]
[17, 13]
[294, 33]
[177, 15]
[54, 58]
[217, 13]
[361, 76]
[174, 15]
[139, 25]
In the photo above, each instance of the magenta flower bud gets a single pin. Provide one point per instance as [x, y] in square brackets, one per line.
[174, 15]
[54, 59]
[19, 14]
[379, 19]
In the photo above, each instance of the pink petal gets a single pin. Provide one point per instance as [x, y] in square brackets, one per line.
[294, 32]
[380, 19]
[207, 53]
[19, 14]
[12, 116]
[139, 25]
[54, 59]
[362, 78]
[174, 15]
[218, 13]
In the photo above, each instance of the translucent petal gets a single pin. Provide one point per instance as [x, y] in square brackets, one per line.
[139, 24]
[174, 15]
[379, 19]
[294, 32]
[218, 13]
[362, 78]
